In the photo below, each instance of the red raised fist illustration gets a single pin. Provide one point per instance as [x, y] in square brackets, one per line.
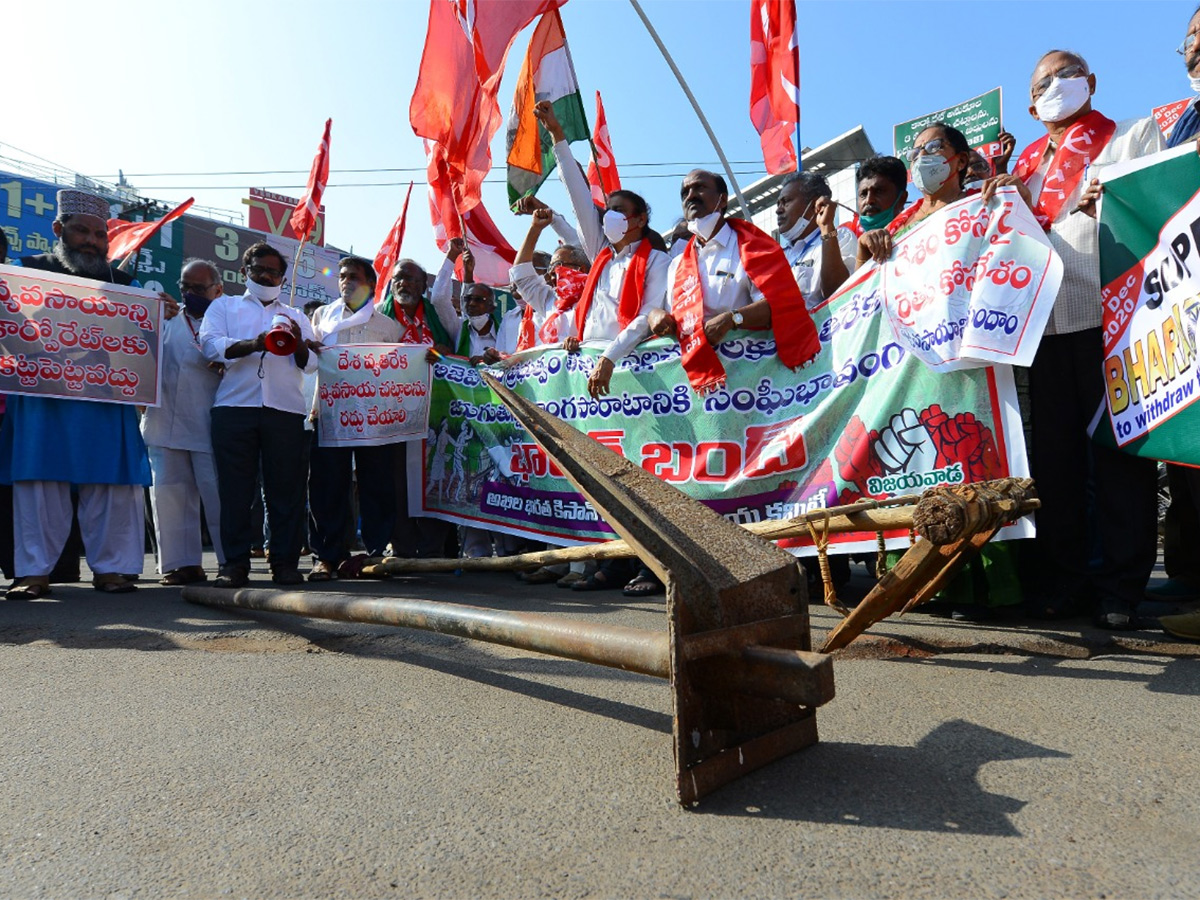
[964, 439]
[856, 462]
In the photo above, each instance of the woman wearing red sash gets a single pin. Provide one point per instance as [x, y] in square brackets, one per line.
[939, 161]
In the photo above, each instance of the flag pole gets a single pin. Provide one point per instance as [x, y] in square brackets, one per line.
[587, 127]
[695, 105]
[292, 280]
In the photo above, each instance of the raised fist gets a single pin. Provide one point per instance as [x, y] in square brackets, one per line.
[906, 445]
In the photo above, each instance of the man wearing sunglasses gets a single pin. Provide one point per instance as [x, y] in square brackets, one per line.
[1066, 383]
[258, 416]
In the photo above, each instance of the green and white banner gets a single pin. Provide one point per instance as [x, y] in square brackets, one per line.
[866, 419]
[1150, 272]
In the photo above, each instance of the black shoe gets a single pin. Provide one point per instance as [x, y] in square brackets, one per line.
[289, 575]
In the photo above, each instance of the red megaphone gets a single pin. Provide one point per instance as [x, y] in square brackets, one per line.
[279, 339]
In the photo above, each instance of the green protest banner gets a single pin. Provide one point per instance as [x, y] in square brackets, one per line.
[866, 419]
[979, 119]
[1150, 272]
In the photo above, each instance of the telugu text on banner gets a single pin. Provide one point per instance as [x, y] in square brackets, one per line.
[372, 394]
[973, 284]
[866, 419]
[62, 336]
[1150, 272]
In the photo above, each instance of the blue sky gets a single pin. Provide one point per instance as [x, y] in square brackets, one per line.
[224, 87]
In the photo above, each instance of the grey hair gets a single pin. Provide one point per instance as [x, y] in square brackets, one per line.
[213, 268]
[811, 183]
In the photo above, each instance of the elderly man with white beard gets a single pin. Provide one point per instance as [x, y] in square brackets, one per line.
[48, 445]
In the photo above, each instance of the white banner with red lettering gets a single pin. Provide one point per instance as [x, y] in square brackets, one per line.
[62, 336]
[973, 284]
[372, 394]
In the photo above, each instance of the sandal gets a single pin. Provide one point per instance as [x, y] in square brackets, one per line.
[112, 583]
[184, 575]
[644, 584]
[323, 571]
[32, 588]
[541, 576]
[232, 577]
[597, 581]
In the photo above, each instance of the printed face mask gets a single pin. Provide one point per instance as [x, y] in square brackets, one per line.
[1063, 98]
[929, 173]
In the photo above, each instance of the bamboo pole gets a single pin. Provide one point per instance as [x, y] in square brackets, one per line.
[868, 515]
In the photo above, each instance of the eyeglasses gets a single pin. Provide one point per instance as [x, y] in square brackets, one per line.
[1074, 70]
[264, 271]
[1188, 41]
[928, 148]
[192, 288]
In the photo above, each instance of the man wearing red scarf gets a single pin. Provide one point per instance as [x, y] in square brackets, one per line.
[730, 276]
[1066, 383]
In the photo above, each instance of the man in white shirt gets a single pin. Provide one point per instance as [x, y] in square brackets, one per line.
[551, 317]
[178, 435]
[258, 416]
[351, 319]
[710, 293]
[474, 332]
[821, 254]
[1066, 381]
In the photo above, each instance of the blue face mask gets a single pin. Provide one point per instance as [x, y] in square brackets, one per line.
[877, 220]
[195, 304]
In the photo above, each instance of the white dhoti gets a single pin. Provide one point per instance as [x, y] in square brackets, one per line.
[111, 520]
[183, 481]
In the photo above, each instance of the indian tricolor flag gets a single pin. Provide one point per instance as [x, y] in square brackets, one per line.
[547, 74]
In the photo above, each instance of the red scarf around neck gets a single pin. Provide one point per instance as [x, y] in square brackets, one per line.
[632, 288]
[414, 330]
[1079, 147]
[568, 287]
[796, 341]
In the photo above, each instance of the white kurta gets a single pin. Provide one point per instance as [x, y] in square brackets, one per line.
[178, 436]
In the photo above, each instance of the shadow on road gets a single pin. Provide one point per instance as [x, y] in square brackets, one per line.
[933, 786]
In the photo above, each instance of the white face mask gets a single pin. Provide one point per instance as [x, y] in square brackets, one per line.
[615, 225]
[704, 226]
[1063, 98]
[975, 185]
[929, 173]
[1195, 83]
[263, 293]
[796, 230]
[478, 322]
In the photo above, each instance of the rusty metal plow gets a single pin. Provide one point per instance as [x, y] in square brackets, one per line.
[737, 650]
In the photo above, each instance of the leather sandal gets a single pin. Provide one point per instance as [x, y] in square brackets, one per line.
[232, 577]
[30, 588]
[322, 571]
[184, 575]
[112, 583]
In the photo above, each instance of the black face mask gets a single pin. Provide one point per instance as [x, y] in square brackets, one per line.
[195, 304]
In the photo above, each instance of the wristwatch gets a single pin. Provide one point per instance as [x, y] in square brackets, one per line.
[738, 318]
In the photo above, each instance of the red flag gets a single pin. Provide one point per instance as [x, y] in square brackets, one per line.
[775, 81]
[125, 238]
[454, 102]
[386, 258]
[602, 169]
[493, 254]
[304, 219]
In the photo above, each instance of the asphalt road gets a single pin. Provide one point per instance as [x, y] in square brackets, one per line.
[153, 748]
